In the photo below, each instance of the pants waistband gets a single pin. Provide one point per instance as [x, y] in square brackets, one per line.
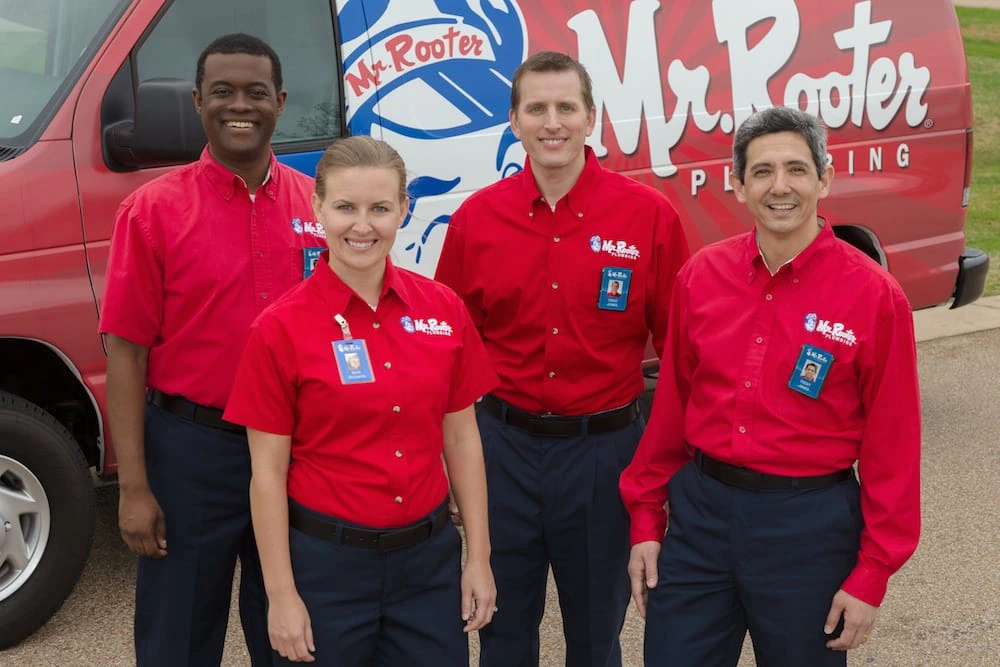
[751, 480]
[191, 411]
[559, 426]
[383, 541]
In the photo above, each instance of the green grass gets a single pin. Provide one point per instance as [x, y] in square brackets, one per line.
[981, 34]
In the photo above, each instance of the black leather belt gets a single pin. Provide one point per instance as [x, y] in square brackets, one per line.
[558, 426]
[383, 541]
[751, 480]
[193, 412]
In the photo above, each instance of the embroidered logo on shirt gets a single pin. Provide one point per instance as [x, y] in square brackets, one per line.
[314, 228]
[407, 323]
[620, 249]
[835, 331]
[432, 327]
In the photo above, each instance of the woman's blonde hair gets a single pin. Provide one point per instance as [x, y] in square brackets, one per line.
[359, 151]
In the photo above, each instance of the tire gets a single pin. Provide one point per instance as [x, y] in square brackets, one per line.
[47, 514]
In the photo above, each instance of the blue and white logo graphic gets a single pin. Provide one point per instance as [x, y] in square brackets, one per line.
[407, 323]
[297, 225]
[811, 321]
[433, 79]
[595, 243]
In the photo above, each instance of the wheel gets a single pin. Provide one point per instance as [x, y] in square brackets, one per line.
[47, 512]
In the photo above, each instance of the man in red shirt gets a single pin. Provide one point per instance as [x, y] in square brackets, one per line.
[789, 357]
[534, 258]
[195, 256]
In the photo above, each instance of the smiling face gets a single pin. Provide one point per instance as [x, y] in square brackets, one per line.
[553, 121]
[361, 211]
[239, 107]
[781, 187]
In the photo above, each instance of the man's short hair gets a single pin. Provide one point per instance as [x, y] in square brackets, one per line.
[780, 119]
[239, 42]
[551, 61]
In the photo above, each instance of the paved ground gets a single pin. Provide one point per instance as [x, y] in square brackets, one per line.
[992, 4]
[941, 610]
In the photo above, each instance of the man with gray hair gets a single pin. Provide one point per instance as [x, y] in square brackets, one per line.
[769, 529]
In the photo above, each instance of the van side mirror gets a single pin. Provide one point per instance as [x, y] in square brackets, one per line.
[165, 129]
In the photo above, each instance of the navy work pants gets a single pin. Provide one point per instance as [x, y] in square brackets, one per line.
[201, 479]
[765, 561]
[555, 501]
[371, 609]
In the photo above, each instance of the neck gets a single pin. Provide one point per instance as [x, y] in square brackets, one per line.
[555, 183]
[367, 284]
[253, 171]
[777, 249]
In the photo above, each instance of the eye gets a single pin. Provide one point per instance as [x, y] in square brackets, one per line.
[380, 208]
[259, 93]
[760, 173]
[344, 207]
[567, 108]
[798, 169]
[220, 92]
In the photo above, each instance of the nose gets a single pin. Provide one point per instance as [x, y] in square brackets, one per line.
[240, 102]
[552, 120]
[780, 184]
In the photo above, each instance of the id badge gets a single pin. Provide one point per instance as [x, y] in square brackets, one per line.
[309, 258]
[810, 371]
[352, 361]
[615, 284]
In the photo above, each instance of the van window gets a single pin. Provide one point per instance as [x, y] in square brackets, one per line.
[44, 45]
[301, 33]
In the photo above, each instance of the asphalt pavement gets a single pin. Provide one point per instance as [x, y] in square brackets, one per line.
[941, 610]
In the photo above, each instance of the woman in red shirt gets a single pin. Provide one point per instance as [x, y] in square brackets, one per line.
[352, 387]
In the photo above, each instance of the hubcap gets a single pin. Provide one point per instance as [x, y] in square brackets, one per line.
[25, 522]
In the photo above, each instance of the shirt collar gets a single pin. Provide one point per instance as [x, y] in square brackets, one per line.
[582, 193]
[338, 295]
[752, 254]
[227, 183]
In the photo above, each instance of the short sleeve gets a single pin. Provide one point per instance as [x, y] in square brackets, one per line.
[133, 293]
[264, 392]
[472, 374]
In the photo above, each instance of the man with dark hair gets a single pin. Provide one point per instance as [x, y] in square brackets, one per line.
[195, 256]
[769, 530]
[534, 257]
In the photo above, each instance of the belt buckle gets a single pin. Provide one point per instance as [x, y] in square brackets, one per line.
[400, 539]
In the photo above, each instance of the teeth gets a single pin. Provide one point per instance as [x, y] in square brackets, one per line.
[783, 207]
[360, 245]
[242, 124]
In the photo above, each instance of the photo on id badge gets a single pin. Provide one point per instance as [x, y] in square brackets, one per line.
[615, 284]
[352, 361]
[810, 371]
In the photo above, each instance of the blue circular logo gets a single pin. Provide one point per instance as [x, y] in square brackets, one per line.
[595, 243]
[407, 323]
[297, 226]
[811, 321]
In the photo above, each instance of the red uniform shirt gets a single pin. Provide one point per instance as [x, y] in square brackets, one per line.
[193, 262]
[735, 336]
[369, 453]
[533, 278]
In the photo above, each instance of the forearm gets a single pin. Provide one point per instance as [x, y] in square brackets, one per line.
[269, 513]
[126, 399]
[463, 454]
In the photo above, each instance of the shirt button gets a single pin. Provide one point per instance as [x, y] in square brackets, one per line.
[795, 280]
[264, 296]
[376, 325]
[747, 384]
[399, 454]
[759, 340]
[555, 285]
[552, 374]
[387, 365]
[555, 331]
[556, 239]
[399, 500]
[743, 429]
[579, 215]
[395, 409]
[768, 297]
[531, 214]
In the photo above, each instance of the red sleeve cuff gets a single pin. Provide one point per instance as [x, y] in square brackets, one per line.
[648, 524]
[867, 583]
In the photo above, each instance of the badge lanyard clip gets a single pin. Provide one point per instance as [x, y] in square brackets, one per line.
[344, 328]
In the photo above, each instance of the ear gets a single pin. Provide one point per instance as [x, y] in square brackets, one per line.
[196, 96]
[591, 119]
[825, 181]
[281, 97]
[317, 205]
[738, 187]
[514, 126]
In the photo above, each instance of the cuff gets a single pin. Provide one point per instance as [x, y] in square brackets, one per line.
[647, 525]
[867, 583]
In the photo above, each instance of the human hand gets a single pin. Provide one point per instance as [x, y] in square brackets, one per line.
[479, 595]
[642, 572]
[859, 619]
[141, 522]
[289, 628]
